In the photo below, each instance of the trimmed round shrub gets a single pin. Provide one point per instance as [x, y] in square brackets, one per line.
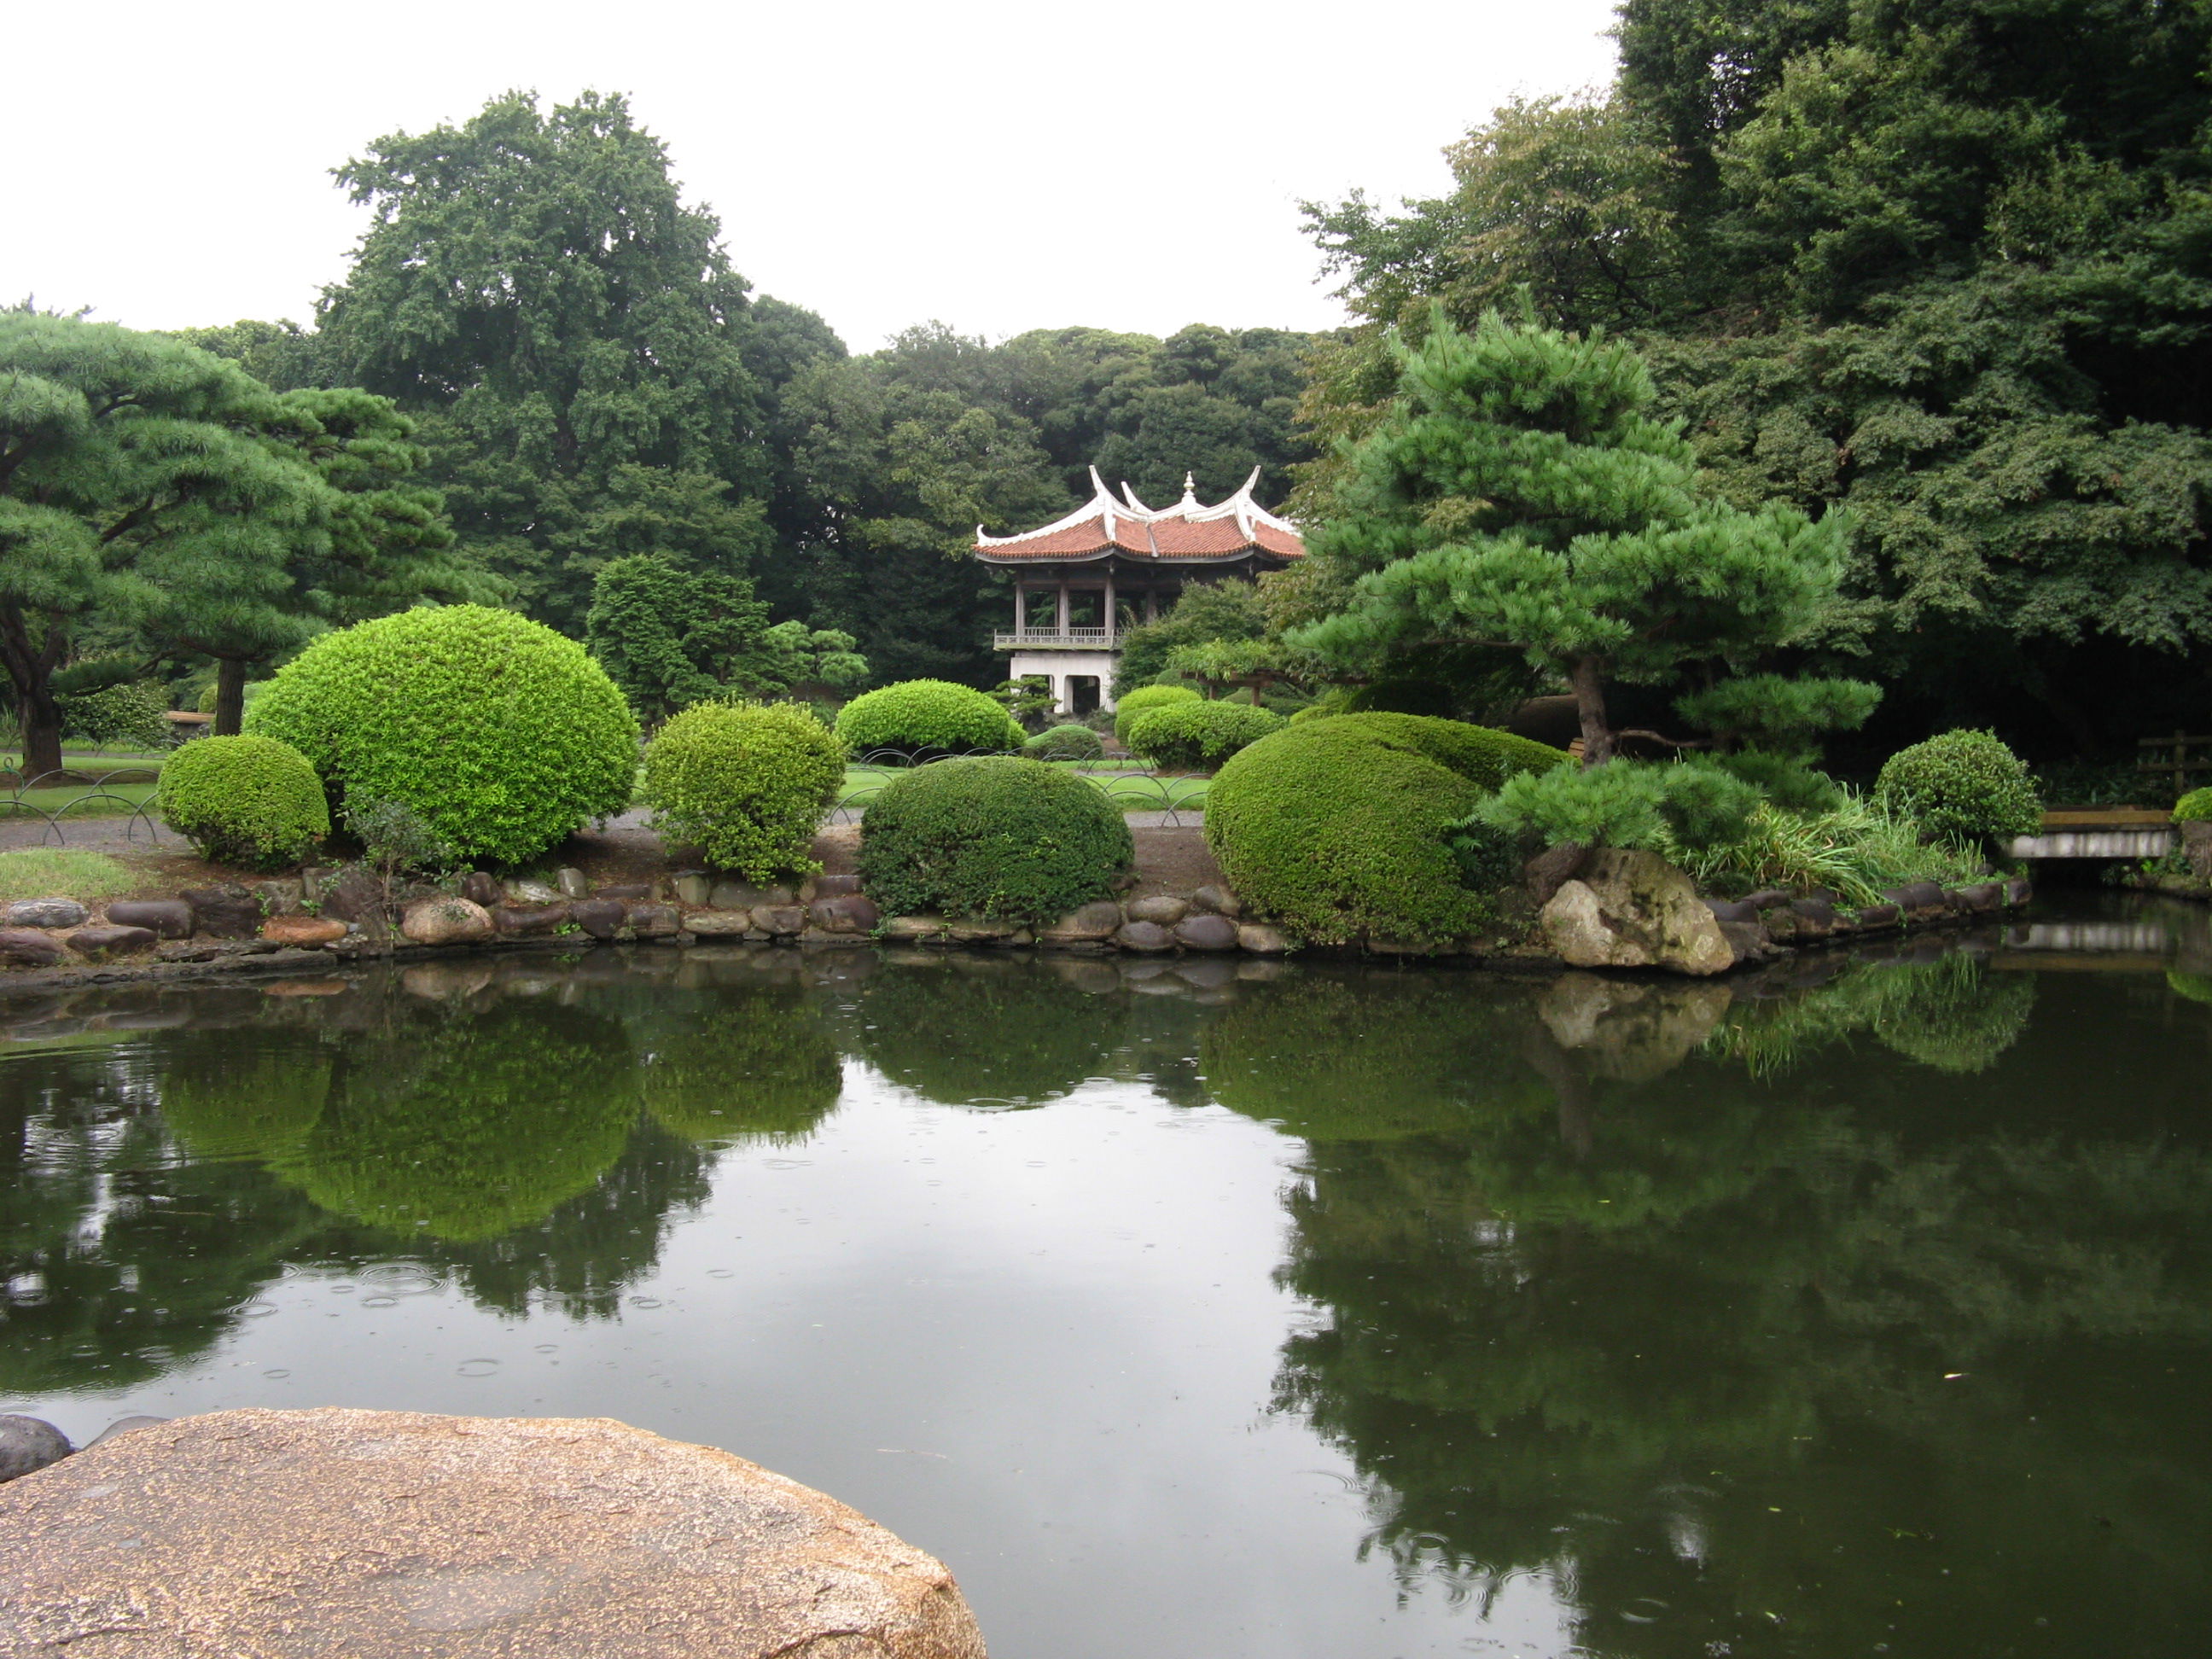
[1964, 784]
[747, 783]
[1343, 828]
[500, 735]
[244, 800]
[1062, 743]
[1197, 737]
[2194, 808]
[918, 716]
[998, 837]
[1145, 697]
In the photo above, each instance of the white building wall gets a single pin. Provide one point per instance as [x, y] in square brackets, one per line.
[1059, 666]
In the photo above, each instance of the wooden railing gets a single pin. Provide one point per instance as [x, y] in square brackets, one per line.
[2177, 760]
[1064, 638]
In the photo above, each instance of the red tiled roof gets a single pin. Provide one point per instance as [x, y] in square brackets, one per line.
[1238, 527]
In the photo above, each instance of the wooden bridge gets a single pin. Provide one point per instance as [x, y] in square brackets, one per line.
[2099, 832]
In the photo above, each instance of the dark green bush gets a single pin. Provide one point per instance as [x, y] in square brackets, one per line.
[501, 735]
[1197, 737]
[130, 713]
[1143, 699]
[917, 717]
[244, 800]
[1004, 839]
[1341, 828]
[1964, 784]
[1066, 743]
[747, 783]
[1432, 698]
[2194, 808]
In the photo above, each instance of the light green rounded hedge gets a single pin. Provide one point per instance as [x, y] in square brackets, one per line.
[1145, 697]
[500, 735]
[747, 783]
[1341, 829]
[1075, 743]
[2194, 808]
[918, 716]
[993, 837]
[1197, 737]
[244, 800]
[1964, 784]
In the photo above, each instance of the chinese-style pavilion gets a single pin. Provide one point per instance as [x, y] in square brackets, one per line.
[1113, 562]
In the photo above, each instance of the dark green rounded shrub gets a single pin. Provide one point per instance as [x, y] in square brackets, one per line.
[1342, 829]
[2195, 806]
[500, 735]
[1197, 737]
[1143, 698]
[1964, 784]
[921, 716]
[747, 783]
[1066, 743]
[1004, 839]
[244, 800]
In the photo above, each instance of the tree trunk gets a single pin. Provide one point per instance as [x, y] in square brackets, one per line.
[30, 667]
[42, 720]
[1588, 683]
[229, 695]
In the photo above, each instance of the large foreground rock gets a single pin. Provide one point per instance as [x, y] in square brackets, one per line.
[377, 1535]
[1633, 910]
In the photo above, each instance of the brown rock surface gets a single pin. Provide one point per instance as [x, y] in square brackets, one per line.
[1163, 909]
[303, 930]
[529, 921]
[379, 1535]
[106, 939]
[446, 920]
[1633, 910]
[225, 911]
[27, 947]
[170, 917]
[1205, 933]
[1096, 921]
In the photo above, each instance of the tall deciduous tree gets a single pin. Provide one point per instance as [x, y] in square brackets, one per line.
[1521, 493]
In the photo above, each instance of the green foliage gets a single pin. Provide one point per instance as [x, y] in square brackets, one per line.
[918, 717]
[1401, 696]
[395, 839]
[1197, 737]
[128, 714]
[1341, 829]
[1520, 491]
[748, 785]
[990, 1034]
[1855, 850]
[1963, 784]
[244, 800]
[1775, 712]
[752, 1065]
[2194, 806]
[1140, 698]
[2196, 987]
[1028, 701]
[1063, 743]
[503, 736]
[204, 703]
[1001, 838]
[1204, 614]
[1661, 806]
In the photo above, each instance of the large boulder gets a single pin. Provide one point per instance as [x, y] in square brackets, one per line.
[168, 918]
[29, 1443]
[227, 910]
[446, 920]
[43, 913]
[28, 947]
[380, 1533]
[1633, 910]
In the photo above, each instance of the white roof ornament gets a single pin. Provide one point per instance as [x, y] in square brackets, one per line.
[1103, 509]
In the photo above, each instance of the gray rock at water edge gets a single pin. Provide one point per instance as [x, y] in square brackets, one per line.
[738, 896]
[1918, 898]
[2020, 890]
[974, 930]
[43, 913]
[921, 925]
[1163, 908]
[355, 895]
[26, 1444]
[602, 918]
[1770, 898]
[1631, 909]
[1732, 910]
[845, 913]
[227, 911]
[529, 920]
[1815, 917]
[725, 924]
[28, 947]
[836, 886]
[1219, 900]
[303, 930]
[1982, 897]
[531, 895]
[446, 920]
[480, 888]
[630, 892]
[1205, 931]
[1749, 940]
[779, 919]
[553, 1538]
[653, 920]
[571, 880]
[104, 939]
[2195, 848]
[1097, 920]
[277, 898]
[1259, 939]
[1873, 917]
[693, 887]
[1542, 875]
[168, 918]
[1144, 936]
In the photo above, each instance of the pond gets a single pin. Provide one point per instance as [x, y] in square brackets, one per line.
[1233, 1311]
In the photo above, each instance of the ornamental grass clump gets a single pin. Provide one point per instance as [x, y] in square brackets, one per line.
[994, 837]
[244, 800]
[1144, 699]
[1963, 784]
[500, 734]
[1855, 851]
[1343, 828]
[1197, 737]
[747, 783]
[921, 717]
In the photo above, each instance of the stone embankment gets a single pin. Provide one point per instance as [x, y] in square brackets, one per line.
[379, 1534]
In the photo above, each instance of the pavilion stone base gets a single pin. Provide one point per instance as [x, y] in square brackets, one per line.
[1061, 666]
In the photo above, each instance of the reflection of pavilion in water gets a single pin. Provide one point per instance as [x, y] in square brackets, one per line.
[1113, 563]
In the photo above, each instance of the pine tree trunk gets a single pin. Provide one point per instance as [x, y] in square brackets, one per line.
[29, 663]
[229, 696]
[1588, 683]
[40, 718]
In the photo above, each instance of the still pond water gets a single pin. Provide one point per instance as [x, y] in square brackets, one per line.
[1201, 1315]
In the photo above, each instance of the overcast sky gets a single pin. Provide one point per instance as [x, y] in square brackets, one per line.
[998, 166]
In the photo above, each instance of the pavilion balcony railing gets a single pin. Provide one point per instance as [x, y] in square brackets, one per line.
[1047, 638]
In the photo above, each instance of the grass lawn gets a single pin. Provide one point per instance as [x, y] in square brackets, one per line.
[48, 871]
[1130, 789]
[115, 800]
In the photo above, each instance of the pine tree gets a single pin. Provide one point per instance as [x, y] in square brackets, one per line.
[1518, 493]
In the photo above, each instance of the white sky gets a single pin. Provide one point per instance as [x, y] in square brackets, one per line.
[999, 167]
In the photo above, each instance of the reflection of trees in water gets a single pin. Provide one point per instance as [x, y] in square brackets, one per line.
[963, 1030]
[1689, 1344]
[1951, 1013]
[738, 1063]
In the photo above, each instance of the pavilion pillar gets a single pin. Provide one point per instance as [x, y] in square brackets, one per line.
[1021, 609]
[1062, 623]
[1109, 619]
[1151, 605]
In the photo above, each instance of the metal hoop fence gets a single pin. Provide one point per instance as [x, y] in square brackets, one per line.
[83, 790]
[1179, 799]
